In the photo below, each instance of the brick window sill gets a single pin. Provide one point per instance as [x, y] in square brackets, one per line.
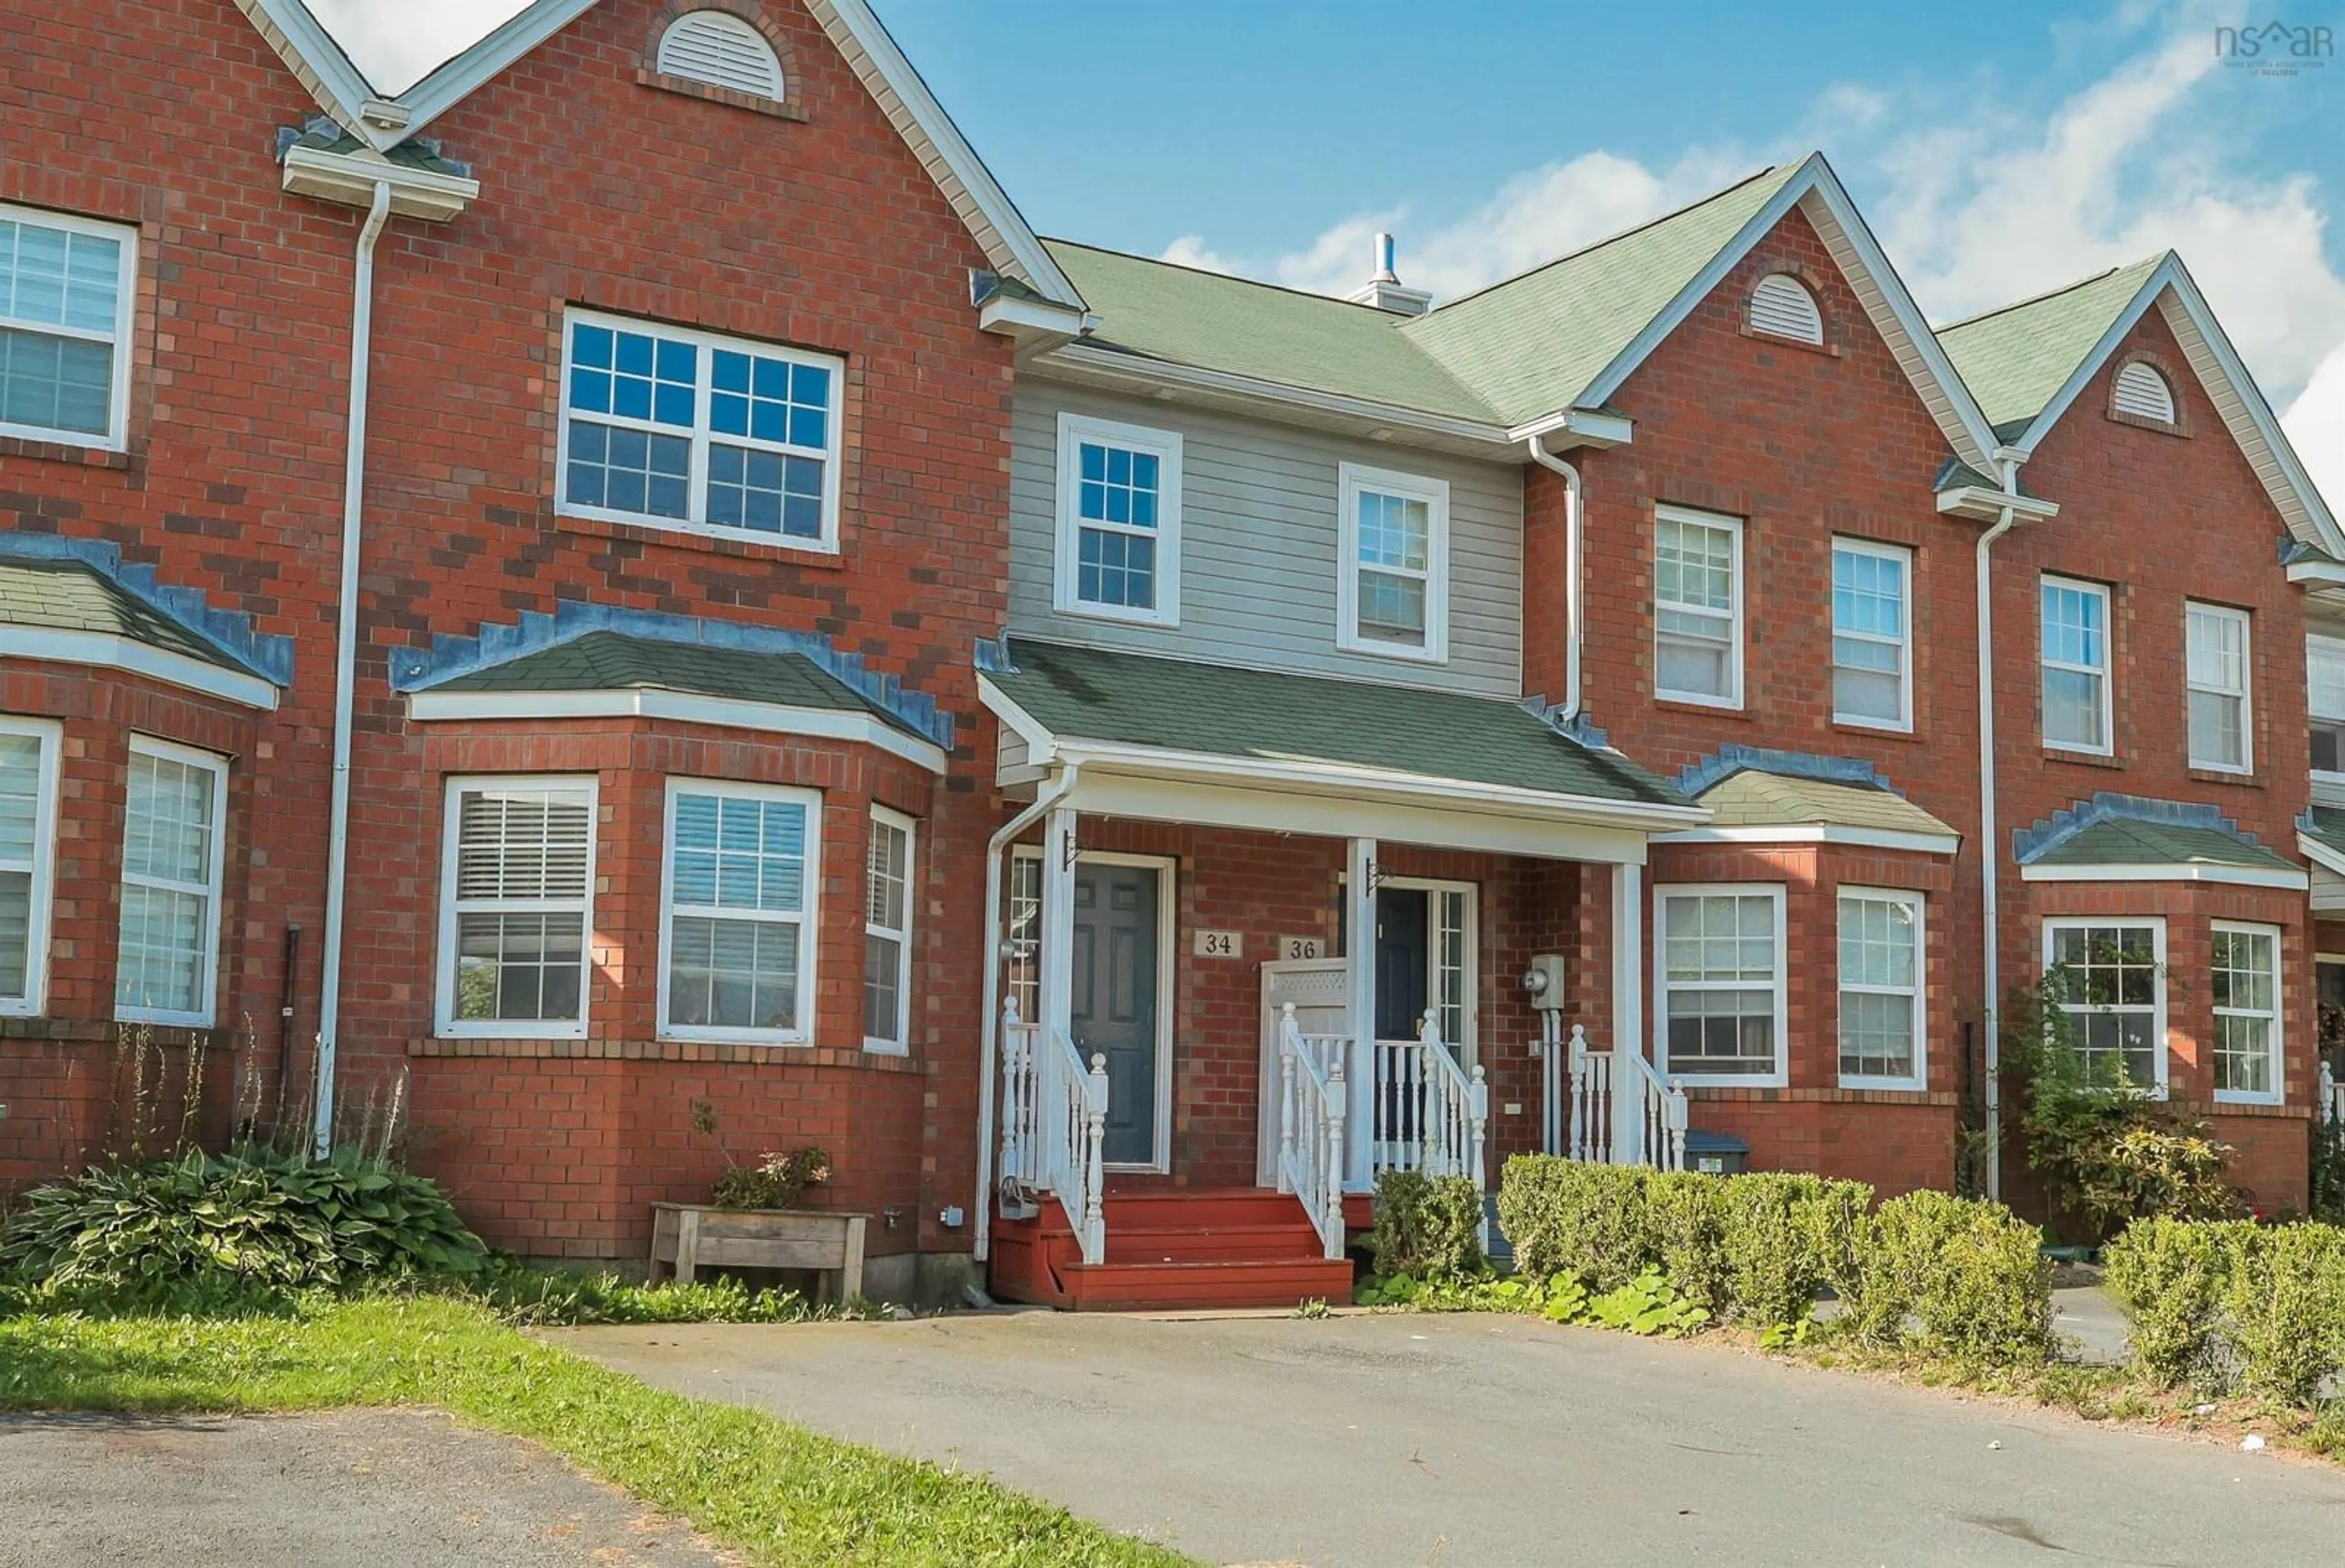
[2267, 1112]
[1777, 340]
[2216, 776]
[1876, 733]
[103, 1031]
[780, 110]
[708, 544]
[2082, 759]
[1824, 1096]
[1743, 715]
[665, 1051]
[63, 452]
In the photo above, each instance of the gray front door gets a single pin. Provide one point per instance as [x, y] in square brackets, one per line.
[1114, 1004]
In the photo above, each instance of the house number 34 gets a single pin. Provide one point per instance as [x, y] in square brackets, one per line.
[1219, 944]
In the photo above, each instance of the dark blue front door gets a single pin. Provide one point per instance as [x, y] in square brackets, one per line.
[1113, 1013]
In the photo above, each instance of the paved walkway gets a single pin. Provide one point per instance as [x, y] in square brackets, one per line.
[343, 1489]
[1361, 1441]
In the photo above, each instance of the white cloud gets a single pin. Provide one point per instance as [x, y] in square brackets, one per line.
[396, 42]
[1191, 250]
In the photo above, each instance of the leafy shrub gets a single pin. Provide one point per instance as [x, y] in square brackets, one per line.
[1648, 1304]
[546, 1298]
[2327, 1186]
[1569, 1217]
[1684, 1214]
[1784, 1239]
[777, 1182]
[1952, 1276]
[2168, 1276]
[247, 1231]
[1428, 1227]
[2284, 1303]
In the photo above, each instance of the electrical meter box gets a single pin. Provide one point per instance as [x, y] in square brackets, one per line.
[1543, 984]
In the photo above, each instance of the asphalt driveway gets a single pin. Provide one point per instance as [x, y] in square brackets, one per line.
[1486, 1441]
[338, 1489]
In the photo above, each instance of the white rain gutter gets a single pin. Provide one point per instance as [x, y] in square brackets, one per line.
[1990, 858]
[1574, 614]
[346, 655]
[990, 1029]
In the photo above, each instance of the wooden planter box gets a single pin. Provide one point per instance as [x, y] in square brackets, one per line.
[689, 1236]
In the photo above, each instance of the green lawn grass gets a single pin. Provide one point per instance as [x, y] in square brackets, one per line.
[776, 1492]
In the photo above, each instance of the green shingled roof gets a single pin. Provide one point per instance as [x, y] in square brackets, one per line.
[1505, 355]
[1220, 323]
[68, 595]
[2015, 359]
[1532, 344]
[1131, 699]
[2119, 841]
[2328, 826]
[615, 661]
[1755, 799]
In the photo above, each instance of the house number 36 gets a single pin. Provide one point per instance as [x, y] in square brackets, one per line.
[1219, 944]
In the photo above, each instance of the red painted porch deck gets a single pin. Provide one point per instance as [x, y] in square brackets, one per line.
[1171, 1248]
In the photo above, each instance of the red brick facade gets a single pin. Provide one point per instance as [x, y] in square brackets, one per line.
[603, 188]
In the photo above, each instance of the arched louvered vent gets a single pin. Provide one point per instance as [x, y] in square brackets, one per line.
[1783, 307]
[723, 51]
[2142, 393]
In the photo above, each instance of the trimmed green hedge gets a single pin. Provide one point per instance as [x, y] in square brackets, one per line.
[1926, 1272]
[1428, 1227]
[2231, 1305]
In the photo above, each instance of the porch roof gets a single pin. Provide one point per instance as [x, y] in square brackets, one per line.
[2113, 837]
[1333, 727]
[1753, 798]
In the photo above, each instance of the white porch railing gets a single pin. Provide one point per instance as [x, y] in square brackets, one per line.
[2331, 1107]
[1622, 1111]
[1312, 1093]
[1430, 1115]
[1054, 1127]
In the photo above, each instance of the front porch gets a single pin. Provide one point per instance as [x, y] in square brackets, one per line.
[1198, 1073]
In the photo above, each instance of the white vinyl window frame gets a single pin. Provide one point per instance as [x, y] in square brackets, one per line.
[2275, 1057]
[1902, 641]
[2196, 616]
[2324, 675]
[116, 436]
[1916, 996]
[204, 1013]
[874, 928]
[38, 865]
[703, 434]
[1731, 615]
[2103, 672]
[1165, 447]
[447, 1024]
[2155, 925]
[1354, 482]
[1774, 892]
[807, 917]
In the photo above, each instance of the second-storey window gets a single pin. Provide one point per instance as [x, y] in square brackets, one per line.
[1394, 595]
[713, 435]
[739, 913]
[1720, 992]
[2109, 983]
[2217, 660]
[1698, 607]
[65, 327]
[28, 805]
[2076, 665]
[2324, 663]
[517, 907]
[172, 855]
[2247, 1013]
[1119, 551]
[1881, 988]
[888, 934]
[1873, 637]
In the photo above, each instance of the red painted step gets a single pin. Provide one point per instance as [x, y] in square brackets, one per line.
[1267, 1282]
[1172, 1248]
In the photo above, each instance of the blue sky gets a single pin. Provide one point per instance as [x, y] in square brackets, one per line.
[1997, 151]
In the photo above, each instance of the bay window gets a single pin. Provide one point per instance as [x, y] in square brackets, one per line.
[737, 920]
[1720, 984]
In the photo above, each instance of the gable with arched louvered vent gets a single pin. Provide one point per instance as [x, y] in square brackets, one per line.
[1781, 307]
[718, 49]
[2142, 393]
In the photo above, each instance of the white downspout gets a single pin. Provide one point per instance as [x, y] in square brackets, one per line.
[1574, 614]
[346, 656]
[1990, 856]
[990, 1029]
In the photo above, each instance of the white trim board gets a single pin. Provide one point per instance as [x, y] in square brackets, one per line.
[111, 651]
[48, 736]
[687, 707]
[2229, 875]
[1821, 833]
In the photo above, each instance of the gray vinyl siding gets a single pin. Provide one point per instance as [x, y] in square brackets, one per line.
[1258, 545]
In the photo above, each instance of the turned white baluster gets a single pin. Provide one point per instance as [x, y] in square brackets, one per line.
[1332, 1231]
[1287, 1032]
[1094, 1163]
